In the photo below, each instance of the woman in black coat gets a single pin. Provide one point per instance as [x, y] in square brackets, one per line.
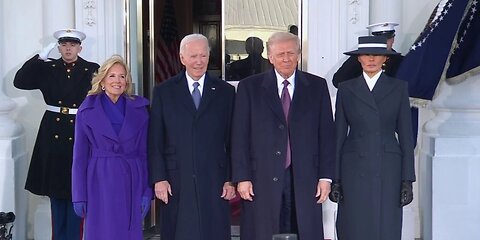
[375, 160]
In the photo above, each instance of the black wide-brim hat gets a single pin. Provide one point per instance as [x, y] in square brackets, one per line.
[372, 45]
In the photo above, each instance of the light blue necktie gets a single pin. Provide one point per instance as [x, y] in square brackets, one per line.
[196, 94]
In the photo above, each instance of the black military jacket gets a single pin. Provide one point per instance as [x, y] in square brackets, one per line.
[65, 87]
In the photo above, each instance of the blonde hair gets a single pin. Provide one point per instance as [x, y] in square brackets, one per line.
[102, 73]
[282, 37]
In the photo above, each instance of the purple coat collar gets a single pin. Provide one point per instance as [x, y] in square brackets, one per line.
[94, 115]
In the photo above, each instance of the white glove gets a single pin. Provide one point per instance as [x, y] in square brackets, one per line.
[44, 53]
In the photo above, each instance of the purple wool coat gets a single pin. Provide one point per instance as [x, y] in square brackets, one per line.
[109, 170]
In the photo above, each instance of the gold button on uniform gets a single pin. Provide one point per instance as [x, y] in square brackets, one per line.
[70, 139]
[57, 119]
[71, 120]
[56, 136]
[74, 105]
[59, 102]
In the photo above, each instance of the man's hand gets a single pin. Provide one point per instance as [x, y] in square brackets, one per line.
[228, 191]
[245, 189]
[45, 51]
[323, 189]
[162, 190]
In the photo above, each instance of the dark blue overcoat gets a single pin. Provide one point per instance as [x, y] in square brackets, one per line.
[259, 141]
[375, 151]
[190, 149]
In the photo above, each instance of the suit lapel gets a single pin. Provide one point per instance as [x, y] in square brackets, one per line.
[182, 94]
[300, 97]
[382, 88]
[209, 90]
[360, 89]
[270, 93]
[97, 117]
[133, 119]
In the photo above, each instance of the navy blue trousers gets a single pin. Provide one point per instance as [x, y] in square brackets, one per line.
[66, 225]
[288, 215]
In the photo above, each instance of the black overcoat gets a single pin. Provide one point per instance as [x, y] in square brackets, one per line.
[375, 151]
[50, 171]
[191, 149]
[259, 141]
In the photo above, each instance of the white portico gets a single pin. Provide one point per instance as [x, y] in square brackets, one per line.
[446, 192]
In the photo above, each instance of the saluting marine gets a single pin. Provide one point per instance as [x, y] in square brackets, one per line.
[351, 68]
[64, 83]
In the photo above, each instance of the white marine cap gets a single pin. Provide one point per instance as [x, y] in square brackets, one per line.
[69, 35]
[383, 28]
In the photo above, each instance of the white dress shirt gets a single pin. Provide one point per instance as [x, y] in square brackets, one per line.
[200, 81]
[290, 87]
[371, 81]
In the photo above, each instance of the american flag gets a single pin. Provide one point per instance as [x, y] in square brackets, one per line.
[465, 53]
[424, 65]
[167, 56]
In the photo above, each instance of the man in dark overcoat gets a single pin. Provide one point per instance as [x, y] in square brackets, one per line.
[283, 146]
[189, 148]
[375, 166]
[64, 83]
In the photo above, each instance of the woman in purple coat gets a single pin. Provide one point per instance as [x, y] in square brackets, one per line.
[109, 173]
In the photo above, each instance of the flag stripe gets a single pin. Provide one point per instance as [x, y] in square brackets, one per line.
[167, 59]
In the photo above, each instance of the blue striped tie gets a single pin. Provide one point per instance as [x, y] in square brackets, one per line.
[196, 94]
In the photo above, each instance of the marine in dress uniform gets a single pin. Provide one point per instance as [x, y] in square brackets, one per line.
[64, 83]
[351, 68]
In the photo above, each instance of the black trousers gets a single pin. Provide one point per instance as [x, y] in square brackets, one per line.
[288, 215]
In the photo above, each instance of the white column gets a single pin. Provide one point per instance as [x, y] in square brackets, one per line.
[332, 28]
[12, 153]
[385, 11]
[450, 164]
[57, 14]
[388, 11]
[103, 21]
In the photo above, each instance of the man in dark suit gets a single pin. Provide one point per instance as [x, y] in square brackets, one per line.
[283, 146]
[189, 148]
[64, 83]
[351, 68]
